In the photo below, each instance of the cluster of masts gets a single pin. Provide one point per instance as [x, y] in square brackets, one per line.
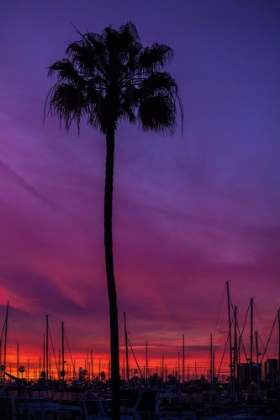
[234, 345]
[44, 369]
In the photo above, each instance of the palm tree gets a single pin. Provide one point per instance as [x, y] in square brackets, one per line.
[107, 78]
[21, 370]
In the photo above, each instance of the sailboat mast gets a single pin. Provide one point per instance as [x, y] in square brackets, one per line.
[258, 365]
[178, 370]
[251, 346]
[278, 371]
[92, 367]
[147, 360]
[183, 361]
[251, 329]
[62, 351]
[229, 336]
[211, 359]
[126, 349]
[6, 334]
[47, 347]
[1, 366]
[17, 358]
[44, 354]
[235, 350]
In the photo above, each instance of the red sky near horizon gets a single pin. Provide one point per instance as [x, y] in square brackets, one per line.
[190, 211]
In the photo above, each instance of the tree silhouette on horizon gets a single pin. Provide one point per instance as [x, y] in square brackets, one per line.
[107, 78]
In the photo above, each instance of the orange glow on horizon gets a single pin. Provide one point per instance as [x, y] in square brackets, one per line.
[94, 363]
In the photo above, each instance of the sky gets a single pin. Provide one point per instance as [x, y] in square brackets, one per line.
[191, 211]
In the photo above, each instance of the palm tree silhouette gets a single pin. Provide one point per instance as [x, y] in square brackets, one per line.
[21, 370]
[107, 78]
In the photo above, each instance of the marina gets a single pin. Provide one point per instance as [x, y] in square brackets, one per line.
[251, 390]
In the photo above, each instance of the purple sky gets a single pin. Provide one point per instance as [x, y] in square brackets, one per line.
[190, 211]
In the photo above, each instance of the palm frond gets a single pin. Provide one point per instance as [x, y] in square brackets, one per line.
[159, 82]
[157, 113]
[65, 70]
[111, 37]
[87, 59]
[129, 34]
[155, 57]
[161, 85]
[68, 103]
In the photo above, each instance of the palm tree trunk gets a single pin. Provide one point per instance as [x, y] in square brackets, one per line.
[111, 286]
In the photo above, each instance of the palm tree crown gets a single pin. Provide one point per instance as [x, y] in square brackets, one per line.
[112, 77]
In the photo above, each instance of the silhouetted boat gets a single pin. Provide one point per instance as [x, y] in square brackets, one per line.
[179, 405]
